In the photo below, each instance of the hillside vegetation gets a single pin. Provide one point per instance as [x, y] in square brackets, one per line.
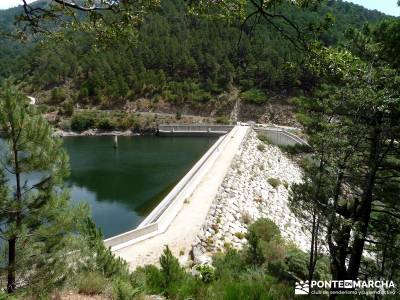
[179, 64]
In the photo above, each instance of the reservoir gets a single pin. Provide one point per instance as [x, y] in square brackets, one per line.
[123, 185]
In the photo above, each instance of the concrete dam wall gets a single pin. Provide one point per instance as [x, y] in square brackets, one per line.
[158, 221]
[193, 130]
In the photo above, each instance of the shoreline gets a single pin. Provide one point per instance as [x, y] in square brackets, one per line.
[98, 132]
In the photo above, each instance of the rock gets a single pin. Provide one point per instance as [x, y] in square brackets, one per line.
[245, 189]
[199, 257]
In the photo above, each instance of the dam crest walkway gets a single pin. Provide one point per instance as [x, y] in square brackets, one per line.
[181, 232]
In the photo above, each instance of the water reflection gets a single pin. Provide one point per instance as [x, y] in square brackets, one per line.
[123, 185]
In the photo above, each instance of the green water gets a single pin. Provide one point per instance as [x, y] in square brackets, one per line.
[123, 185]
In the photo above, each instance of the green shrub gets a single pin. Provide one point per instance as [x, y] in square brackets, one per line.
[207, 273]
[67, 109]
[252, 285]
[106, 124]
[254, 251]
[128, 122]
[266, 230]
[65, 125]
[82, 122]
[170, 268]
[123, 290]
[91, 283]
[58, 95]
[263, 138]
[229, 265]
[240, 235]
[171, 280]
[102, 259]
[254, 96]
[297, 261]
[154, 280]
[261, 147]
[322, 269]
[222, 120]
[274, 182]
[295, 149]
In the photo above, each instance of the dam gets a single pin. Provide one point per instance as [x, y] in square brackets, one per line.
[179, 217]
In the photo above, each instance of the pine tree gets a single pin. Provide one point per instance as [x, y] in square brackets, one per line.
[38, 222]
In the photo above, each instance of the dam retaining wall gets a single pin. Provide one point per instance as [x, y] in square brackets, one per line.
[194, 130]
[160, 218]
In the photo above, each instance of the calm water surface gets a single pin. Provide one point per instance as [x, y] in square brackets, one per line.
[123, 185]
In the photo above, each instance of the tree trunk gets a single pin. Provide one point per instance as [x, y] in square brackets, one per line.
[311, 264]
[11, 266]
[11, 278]
[338, 262]
[363, 215]
[360, 234]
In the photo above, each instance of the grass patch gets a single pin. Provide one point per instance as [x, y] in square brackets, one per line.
[274, 182]
[240, 235]
[222, 120]
[246, 217]
[91, 283]
[263, 138]
[261, 147]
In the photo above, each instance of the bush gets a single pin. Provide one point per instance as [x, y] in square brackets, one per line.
[274, 182]
[123, 290]
[240, 235]
[229, 265]
[58, 95]
[266, 230]
[65, 125]
[222, 120]
[170, 267]
[91, 283]
[252, 285]
[297, 261]
[106, 124]
[295, 149]
[207, 273]
[261, 147]
[254, 251]
[322, 269]
[67, 109]
[171, 280]
[154, 280]
[82, 122]
[254, 96]
[128, 122]
[263, 138]
[246, 217]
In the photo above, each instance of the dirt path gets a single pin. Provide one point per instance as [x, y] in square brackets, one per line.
[184, 228]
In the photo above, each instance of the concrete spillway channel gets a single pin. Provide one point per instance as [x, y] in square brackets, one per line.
[180, 215]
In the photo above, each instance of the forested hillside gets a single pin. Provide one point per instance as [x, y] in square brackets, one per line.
[178, 62]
